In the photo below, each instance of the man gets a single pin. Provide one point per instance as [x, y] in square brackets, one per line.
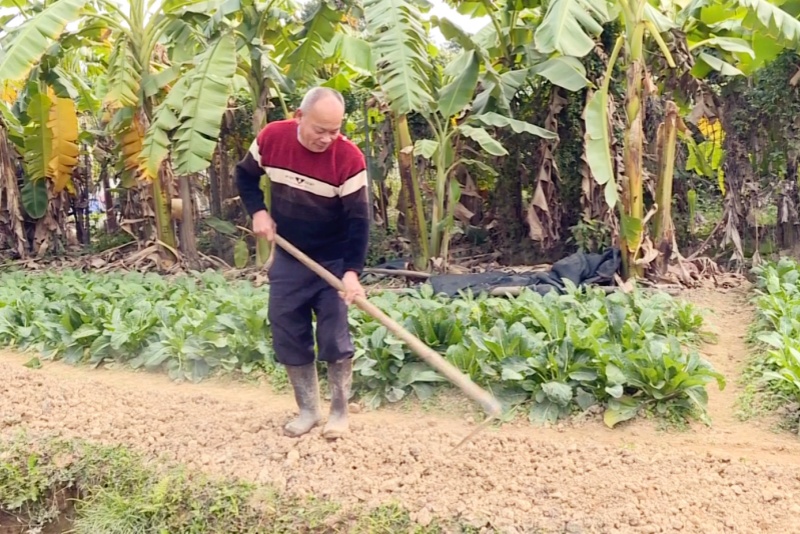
[319, 204]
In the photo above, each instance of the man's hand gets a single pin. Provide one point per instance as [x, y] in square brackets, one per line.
[263, 225]
[352, 287]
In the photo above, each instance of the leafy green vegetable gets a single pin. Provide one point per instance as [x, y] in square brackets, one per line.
[555, 353]
[189, 325]
[777, 327]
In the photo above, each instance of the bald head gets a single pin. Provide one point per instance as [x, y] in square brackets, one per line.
[318, 94]
[319, 118]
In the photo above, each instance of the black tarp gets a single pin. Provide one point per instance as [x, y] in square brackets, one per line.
[580, 268]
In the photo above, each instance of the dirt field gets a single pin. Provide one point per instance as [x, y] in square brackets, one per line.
[733, 477]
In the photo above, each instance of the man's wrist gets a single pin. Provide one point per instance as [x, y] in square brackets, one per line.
[253, 208]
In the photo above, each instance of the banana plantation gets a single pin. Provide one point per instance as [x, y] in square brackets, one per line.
[654, 143]
[664, 129]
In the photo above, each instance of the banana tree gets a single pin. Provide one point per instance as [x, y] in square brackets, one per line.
[411, 83]
[509, 65]
[747, 39]
[134, 77]
[726, 39]
[262, 34]
[246, 44]
[43, 107]
[578, 20]
[12, 228]
[44, 93]
[568, 29]
[186, 125]
[232, 51]
[451, 122]
[400, 51]
[736, 37]
[140, 68]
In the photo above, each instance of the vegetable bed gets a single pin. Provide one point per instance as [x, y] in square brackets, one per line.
[550, 355]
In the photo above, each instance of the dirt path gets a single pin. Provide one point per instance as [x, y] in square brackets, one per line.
[732, 477]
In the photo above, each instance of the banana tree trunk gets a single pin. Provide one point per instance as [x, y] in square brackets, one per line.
[214, 182]
[162, 206]
[215, 189]
[368, 151]
[111, 212]
[401, 206]
[259, 122]
[261, 109]
[663, 229]
[449, 194]
[383, 203]
[455, 190]
[83, 184]
[226, 189]
[415, 214]
[632, 191]
[12, 222]
[437, 236]
[188, 241]
[160, 189]
[51, 229]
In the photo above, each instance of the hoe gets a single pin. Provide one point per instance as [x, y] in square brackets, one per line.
[490, 405]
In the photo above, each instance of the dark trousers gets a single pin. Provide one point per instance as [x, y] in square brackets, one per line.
[294, 293]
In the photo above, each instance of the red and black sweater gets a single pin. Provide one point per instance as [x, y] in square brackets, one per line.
[319, 201]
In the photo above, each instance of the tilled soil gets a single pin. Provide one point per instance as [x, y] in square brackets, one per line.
[732, 477]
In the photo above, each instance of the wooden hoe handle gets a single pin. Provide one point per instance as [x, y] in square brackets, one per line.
[472, 390]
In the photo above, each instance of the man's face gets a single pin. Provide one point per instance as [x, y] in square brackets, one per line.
[320, 126]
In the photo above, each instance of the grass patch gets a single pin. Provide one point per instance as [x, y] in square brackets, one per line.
[99, 488]
[756, 398]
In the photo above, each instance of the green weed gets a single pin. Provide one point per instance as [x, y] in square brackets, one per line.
[114, 491]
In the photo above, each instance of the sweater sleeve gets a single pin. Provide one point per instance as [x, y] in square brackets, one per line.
[248, 177]
[355, 200]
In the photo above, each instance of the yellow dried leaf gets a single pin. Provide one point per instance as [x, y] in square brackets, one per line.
[8, 92]
[131, 142]
[711, 130]
[63, 123]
